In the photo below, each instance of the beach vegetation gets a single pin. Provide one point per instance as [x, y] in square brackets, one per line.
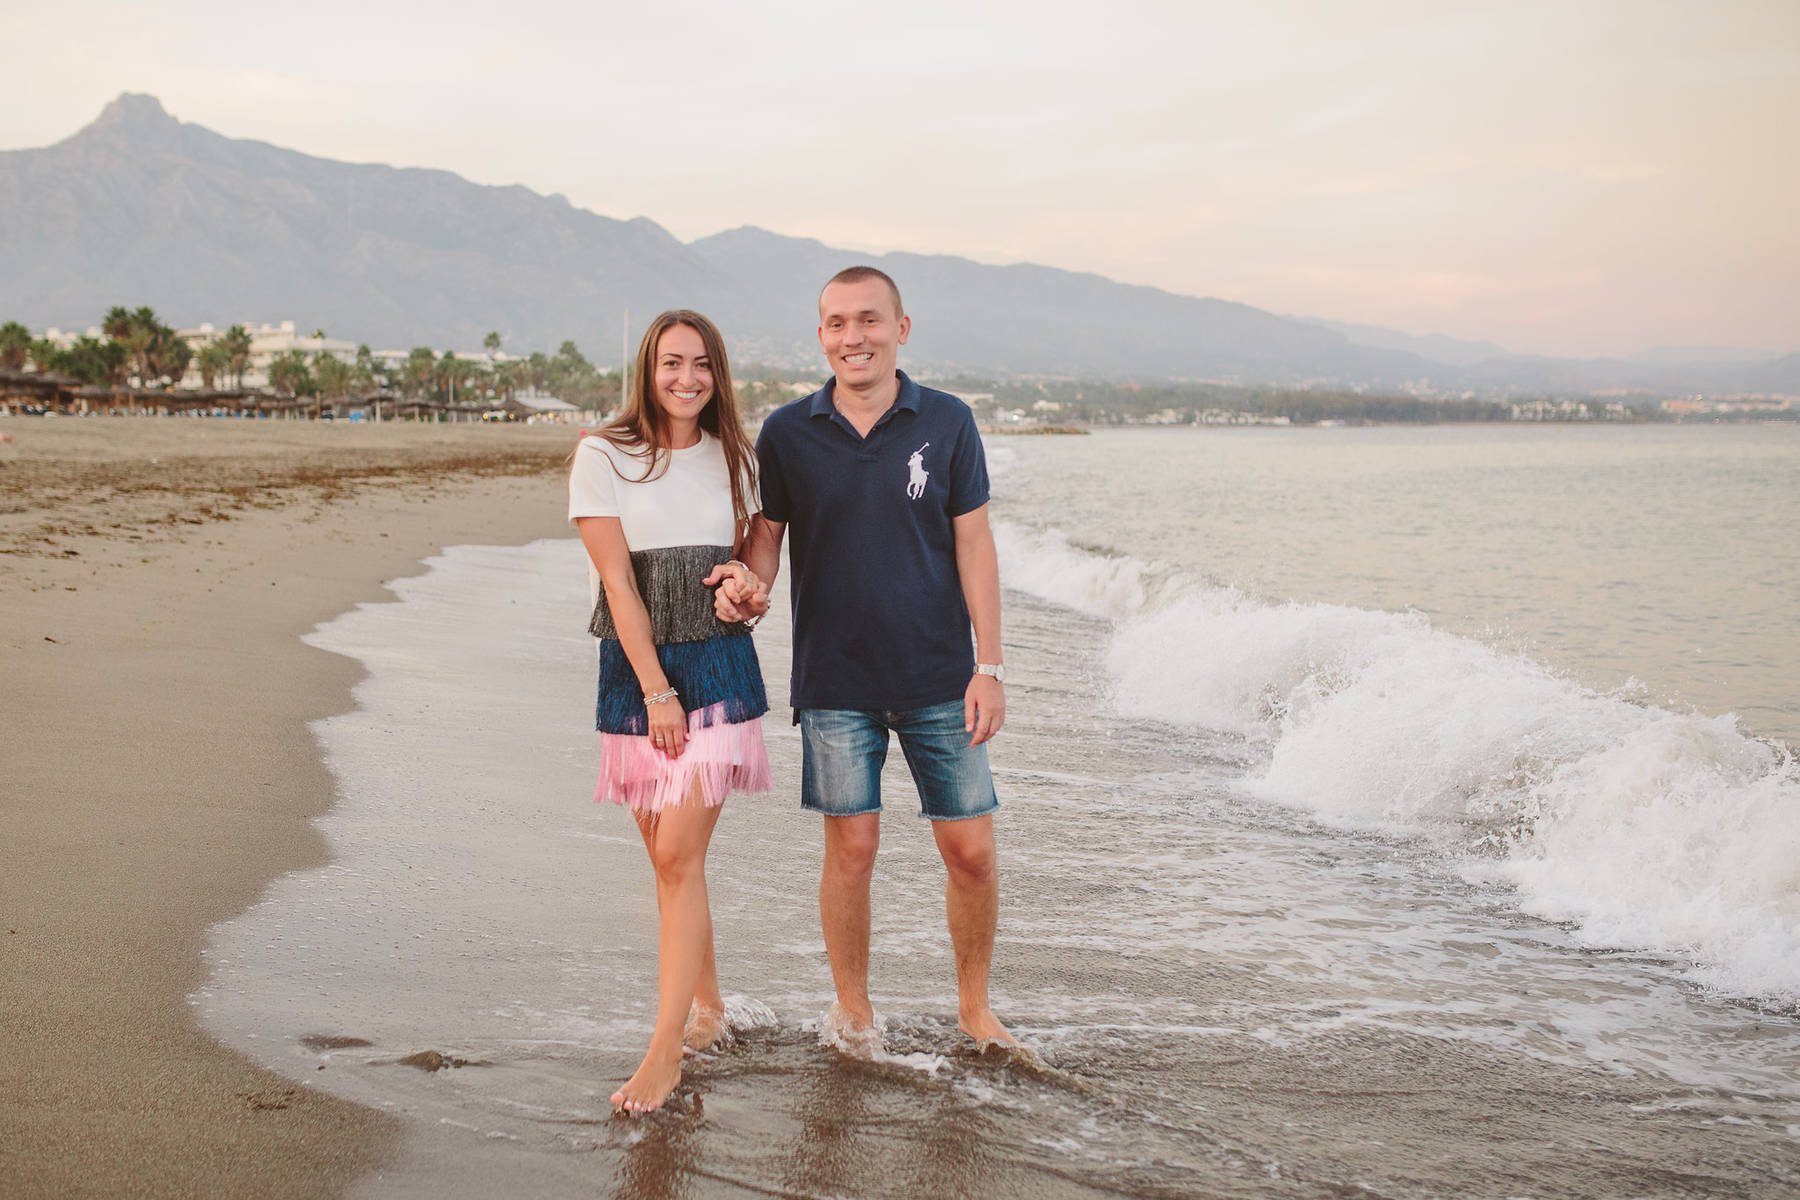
[94, 361]
[419, 373]
[236, 341]
[213, 363]
[44, 353]
[134, 350]
[1028, 401]
[368, 374]
[508, 377]
[15, 345]
[290, 374]
[153, 352]
[454, 375]
[335, 377]
[116, 324]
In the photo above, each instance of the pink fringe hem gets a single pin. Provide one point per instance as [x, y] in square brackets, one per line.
[723, 758]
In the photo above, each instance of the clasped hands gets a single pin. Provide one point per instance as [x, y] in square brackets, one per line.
[740, 595]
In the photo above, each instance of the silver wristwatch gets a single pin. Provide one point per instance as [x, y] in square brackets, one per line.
[997, 670]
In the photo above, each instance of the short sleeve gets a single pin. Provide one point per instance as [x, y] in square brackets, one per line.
[591, 481]
[968, 469]
[771, 486]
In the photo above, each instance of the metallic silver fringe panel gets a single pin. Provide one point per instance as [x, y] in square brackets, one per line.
[680, 606]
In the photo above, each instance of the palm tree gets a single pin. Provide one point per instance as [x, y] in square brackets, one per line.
[481, 380]
[171, 355]
[370, 379]
[45, 355]
[365, 368]
[117, 326]
[15, 345]
[507, 377]
[451, 370]
[288, 374]
[419, 373]
[140, 338]
[215, 361]
[236, 342]
[491, 343]
[94, 362]
[335, 378]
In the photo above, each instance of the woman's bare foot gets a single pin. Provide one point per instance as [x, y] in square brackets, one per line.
[985, 1028]
[646, 1091]
[705, 1026]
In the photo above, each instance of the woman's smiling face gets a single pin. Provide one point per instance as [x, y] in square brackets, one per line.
[684, 378]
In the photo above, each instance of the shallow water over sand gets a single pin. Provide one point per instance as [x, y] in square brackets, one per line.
[1229, 995]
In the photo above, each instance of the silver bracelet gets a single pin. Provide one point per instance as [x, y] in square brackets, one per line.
[660, 697]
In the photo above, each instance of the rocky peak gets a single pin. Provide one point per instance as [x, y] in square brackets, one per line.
[134, 119]
[134, 109]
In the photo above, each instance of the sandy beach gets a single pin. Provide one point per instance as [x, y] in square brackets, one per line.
[159, 771]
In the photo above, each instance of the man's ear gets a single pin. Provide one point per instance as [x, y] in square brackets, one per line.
[905, 329]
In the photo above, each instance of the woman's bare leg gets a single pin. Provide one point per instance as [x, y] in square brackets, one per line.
[677, 845]
[706, 1019]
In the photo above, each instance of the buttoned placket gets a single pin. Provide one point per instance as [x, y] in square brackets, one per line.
[868, 447]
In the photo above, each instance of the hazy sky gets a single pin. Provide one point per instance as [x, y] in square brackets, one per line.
[1567, 178]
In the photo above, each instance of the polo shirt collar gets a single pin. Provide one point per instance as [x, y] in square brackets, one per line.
[822, 405]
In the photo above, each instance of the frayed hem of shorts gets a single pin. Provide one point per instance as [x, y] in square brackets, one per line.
[986, 812]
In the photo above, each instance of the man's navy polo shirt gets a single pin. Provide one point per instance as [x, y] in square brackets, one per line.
[879, 617]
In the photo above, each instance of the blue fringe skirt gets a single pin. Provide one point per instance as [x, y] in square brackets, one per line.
[719, 680]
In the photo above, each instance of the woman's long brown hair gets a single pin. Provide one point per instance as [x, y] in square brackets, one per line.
[642, 429]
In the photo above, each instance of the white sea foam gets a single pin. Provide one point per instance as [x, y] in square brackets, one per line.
[1644, 828]
[837, 1031]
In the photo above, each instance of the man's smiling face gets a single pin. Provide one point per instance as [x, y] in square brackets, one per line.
[861, 331]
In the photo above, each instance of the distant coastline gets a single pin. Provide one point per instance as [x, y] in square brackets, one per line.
[132, 363]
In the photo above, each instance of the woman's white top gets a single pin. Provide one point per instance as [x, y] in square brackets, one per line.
[688, 504]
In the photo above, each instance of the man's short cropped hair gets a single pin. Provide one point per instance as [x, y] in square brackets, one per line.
[859, 274]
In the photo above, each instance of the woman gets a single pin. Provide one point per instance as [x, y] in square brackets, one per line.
[662, 497]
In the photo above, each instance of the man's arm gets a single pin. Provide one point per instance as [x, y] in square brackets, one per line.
[978, 568]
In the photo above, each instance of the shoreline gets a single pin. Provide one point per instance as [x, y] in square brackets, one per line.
[161, 771]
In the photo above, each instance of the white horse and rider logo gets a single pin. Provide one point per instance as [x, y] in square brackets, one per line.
[915, 486]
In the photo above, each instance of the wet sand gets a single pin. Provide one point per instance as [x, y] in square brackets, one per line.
[158, 771]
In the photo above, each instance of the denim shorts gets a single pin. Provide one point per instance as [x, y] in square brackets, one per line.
[844, 749]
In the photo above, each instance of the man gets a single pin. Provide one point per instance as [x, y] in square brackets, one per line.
[884, 488]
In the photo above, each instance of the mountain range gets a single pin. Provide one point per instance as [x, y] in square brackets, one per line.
[139, 208]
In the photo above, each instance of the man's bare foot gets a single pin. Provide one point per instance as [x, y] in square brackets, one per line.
[856, 1034]
[985, 1028]
[646, 1091]
[705, 1027]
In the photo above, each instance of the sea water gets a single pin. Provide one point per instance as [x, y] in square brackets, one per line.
[1393, 811]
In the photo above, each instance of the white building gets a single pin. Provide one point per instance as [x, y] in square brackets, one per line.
[267, 342]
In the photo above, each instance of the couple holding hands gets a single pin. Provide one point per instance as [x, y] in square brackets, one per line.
[880, 488]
